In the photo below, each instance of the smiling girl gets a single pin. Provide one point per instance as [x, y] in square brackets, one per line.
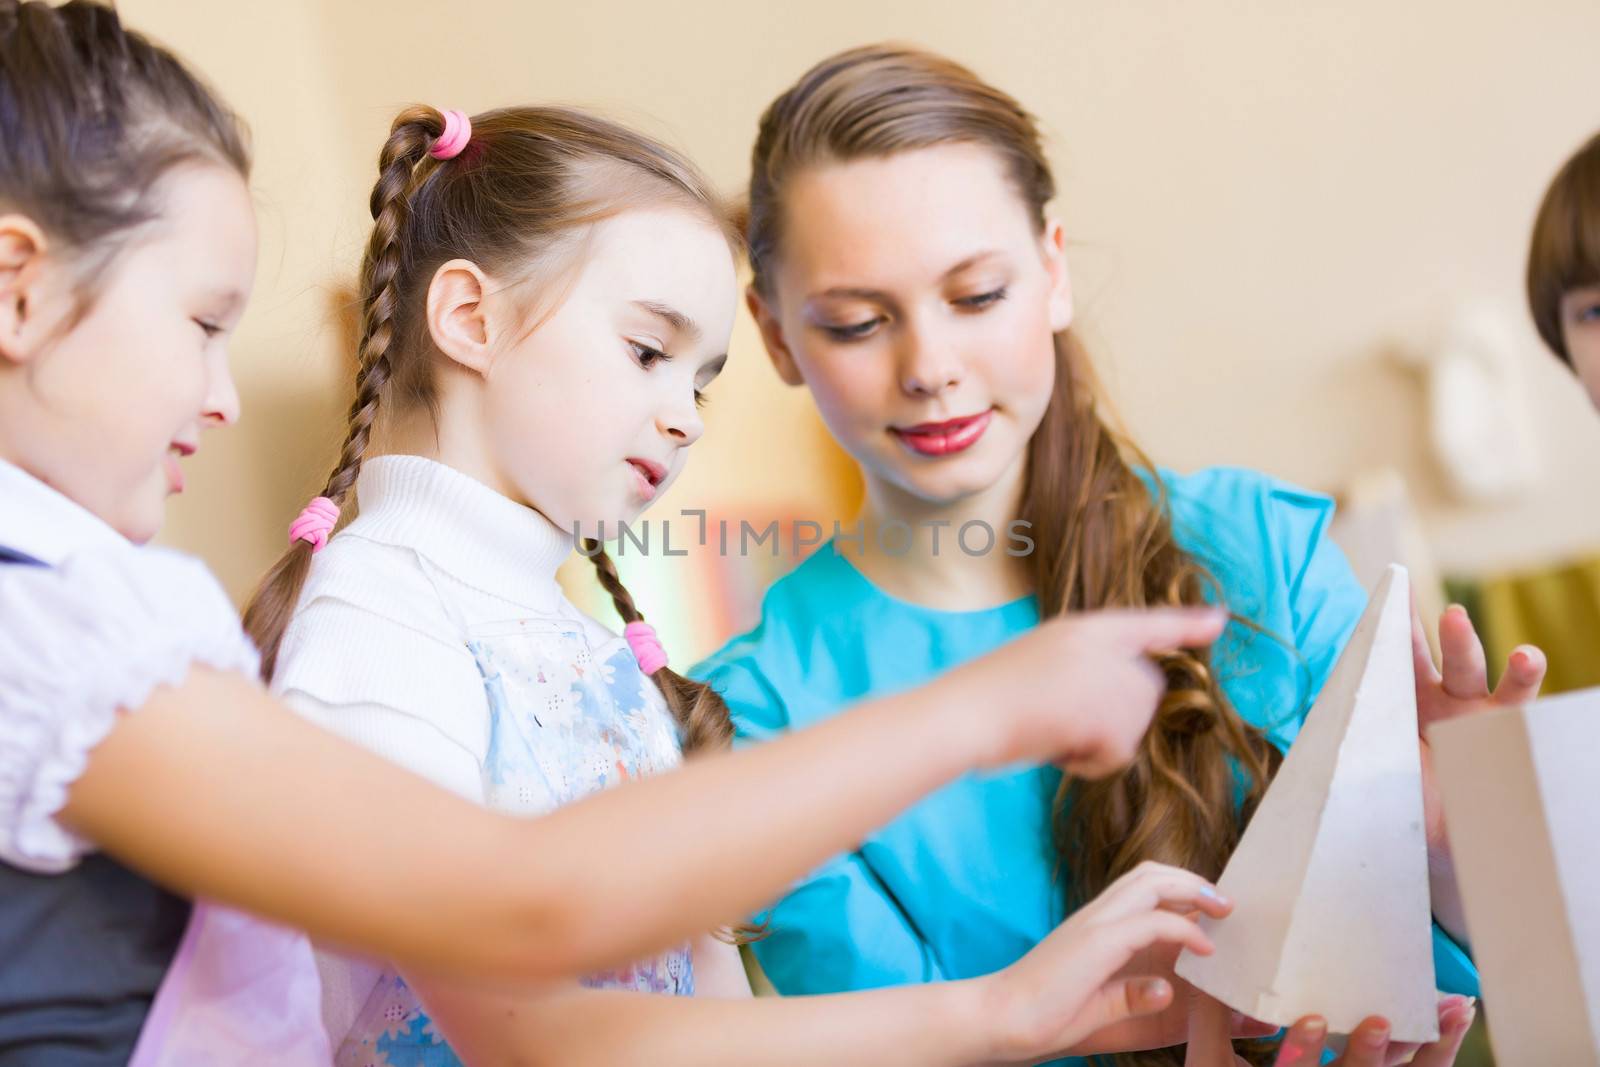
[907, 271]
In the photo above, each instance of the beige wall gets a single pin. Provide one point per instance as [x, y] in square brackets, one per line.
[1266, 197]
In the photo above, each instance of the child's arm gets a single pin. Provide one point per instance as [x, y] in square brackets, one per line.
[718, 969]
[215, 789]
[1061, 993]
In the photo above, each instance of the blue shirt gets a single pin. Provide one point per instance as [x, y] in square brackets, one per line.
[967, 881]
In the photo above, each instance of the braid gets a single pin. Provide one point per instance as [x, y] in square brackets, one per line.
[414, 130]
[611, 581]
[701, 713]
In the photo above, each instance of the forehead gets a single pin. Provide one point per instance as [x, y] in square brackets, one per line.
[909, 215]
[205, 232]
[666, 255]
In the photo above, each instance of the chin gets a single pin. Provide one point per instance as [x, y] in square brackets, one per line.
[141, 527]
[142, 516]
[946, 491]
[949, 481]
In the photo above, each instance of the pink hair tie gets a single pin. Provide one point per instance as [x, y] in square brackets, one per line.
[315, 523]
[646, 646]
[457, 132]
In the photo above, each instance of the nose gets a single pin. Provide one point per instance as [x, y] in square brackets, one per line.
[222, 396]
[681, 422]
[927, 368]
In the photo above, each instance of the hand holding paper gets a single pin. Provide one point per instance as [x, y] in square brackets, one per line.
[1171, 1026]
[1368, 1046]
[1071, 986]
[1330, 880]
[1461, 688]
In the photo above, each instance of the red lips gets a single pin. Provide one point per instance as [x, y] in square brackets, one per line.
[944, 438]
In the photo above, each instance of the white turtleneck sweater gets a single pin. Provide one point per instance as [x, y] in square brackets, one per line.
[375, 650]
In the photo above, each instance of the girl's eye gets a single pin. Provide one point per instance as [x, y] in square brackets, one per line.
[982, 300]
[700, 398]
[853, 332]
[1591, 313]
[210, 329]
[646, 356]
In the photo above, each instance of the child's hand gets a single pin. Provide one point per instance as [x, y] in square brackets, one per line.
[1370, 1046]
[1078, 690]
[1068, 987]
[1170, 1026]
[1462, 688]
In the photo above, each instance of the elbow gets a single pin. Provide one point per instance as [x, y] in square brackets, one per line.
[557, 932]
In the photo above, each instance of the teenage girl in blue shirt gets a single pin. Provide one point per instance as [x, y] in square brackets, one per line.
[906, 272]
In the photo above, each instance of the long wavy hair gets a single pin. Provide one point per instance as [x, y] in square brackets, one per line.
[1102, 529]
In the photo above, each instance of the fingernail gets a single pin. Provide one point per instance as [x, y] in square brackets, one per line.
[1316, 1029]
[1377, 1038]
[1454, 1002]
[1151, 988]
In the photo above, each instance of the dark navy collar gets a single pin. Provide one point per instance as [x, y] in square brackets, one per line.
[11, 555]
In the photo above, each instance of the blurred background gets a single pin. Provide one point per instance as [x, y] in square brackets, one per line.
[1298, 233]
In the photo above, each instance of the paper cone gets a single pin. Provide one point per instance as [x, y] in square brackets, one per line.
[1521, 793]
[1330, 882]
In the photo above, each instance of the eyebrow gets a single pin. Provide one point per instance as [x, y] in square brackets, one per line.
[680, 323]
[850, 292]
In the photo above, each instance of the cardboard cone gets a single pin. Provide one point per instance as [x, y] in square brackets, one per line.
[1330, 882]
[1521, 790]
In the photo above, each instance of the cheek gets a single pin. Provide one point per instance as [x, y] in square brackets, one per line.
[853, 392]
[1583, 345]
[526, 430]
[1587, 366]
[556, 422]
[1020, 357]
[146, 390]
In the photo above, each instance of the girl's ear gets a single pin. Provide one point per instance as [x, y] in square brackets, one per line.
[22, 260]
[1054, 247]
[458, 321]
[772, 337]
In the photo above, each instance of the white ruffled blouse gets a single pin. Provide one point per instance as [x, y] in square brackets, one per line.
[82, 640]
